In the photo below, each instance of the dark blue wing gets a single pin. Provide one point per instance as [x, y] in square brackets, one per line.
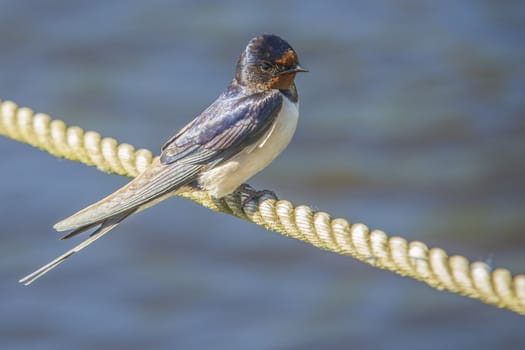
[230, 124]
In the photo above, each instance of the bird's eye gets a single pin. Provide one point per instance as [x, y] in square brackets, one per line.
[266, 66]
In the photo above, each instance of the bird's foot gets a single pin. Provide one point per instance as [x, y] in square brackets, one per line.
[252, 193]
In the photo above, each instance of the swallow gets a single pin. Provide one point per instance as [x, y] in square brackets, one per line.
[237, 136]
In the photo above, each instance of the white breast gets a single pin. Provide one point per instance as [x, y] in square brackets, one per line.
[227, 177]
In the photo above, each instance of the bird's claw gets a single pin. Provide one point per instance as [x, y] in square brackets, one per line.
[252, 193]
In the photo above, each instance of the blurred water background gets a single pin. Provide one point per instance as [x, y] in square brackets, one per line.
[412, 121]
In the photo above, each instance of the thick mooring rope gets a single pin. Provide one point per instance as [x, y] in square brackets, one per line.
[414, 259]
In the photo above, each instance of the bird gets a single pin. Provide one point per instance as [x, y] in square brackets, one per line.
[239, 134]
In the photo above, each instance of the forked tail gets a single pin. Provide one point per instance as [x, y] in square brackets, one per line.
[106, 226]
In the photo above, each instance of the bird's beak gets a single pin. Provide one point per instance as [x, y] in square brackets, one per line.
[295, 69]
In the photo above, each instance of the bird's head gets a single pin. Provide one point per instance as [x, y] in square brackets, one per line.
[268, 62]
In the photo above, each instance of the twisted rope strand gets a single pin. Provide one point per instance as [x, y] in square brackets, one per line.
[413, 259]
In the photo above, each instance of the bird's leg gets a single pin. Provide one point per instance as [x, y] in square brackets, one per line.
[253, 193]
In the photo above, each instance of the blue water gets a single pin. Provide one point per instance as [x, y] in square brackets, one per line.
[412, 121]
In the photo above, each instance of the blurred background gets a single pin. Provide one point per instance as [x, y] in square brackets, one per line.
[412, 121]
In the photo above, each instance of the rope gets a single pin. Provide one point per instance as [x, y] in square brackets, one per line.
[414, 259]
